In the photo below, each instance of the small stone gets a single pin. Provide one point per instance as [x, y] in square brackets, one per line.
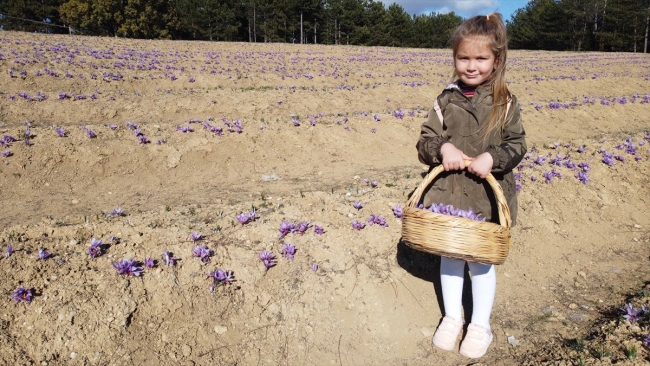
[582, 274]
[427, 332]
[219, 329]
[578, 317]
[74, 202]
[637, 226]
[73, 355]
[573, 306]
[513, 341]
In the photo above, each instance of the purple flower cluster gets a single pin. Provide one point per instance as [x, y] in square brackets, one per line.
[203, 252]
[633, 315]
[196, 236]
[267, 258]
[245, 218]
[450, 210]
[128, 267]
[169, 258]
[376, 219]
[548, 176]
[288, 250]
[287, 227]
[358, 225]
[221, 276]
[397, 211]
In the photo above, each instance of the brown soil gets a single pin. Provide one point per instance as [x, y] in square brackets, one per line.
[579, 249]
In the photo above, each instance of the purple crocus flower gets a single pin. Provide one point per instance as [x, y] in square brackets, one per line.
[373, 184]
[630, 314]
[244, 218]
[203, 252]
[358, 225]
[288, 250]
[286, 227]
[90, 133]
[267, 258]
[22, 294]
[112, 126]
[60, 131]
[373, 130]
[302, 227]
[116, 212]
[397, 211]
[318, 230]
[169, 258]
[43, 254]
[149, 262]
[376, 219]
[196, 236]
[221, 276]
[95, 249]
[583, 177]
[314, 267]
[6, 153]
[10, 250]
[128, 267]
[376, 117]
[646, 341]
[357, 205]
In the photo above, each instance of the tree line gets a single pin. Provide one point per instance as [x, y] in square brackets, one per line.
[354, 22]
[581, 25]
[578, 25]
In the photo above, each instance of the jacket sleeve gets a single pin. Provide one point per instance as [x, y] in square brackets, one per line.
[511, 151]
[432, 137]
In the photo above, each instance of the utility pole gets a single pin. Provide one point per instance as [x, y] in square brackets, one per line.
[301, 42]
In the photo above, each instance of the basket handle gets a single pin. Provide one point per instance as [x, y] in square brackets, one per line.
[502, 204]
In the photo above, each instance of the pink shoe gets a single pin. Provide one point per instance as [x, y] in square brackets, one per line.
[447, 333]
[476, 341]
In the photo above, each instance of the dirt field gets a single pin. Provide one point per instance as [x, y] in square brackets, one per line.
[579, 252]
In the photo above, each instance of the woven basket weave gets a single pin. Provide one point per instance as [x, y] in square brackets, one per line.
[457, 237]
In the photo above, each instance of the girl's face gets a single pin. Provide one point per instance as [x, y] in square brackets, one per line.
[474, 61]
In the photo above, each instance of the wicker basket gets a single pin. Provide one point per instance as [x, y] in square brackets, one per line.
[457, 237]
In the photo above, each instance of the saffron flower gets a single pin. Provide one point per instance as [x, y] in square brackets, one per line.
[116, 212]
[267, 258]
[22, 294]
[43, 254]
[376, 117]
[196, 236]
[10, 250]
[6, 153]
[646, 341]
[221, 276]
[397, 211]
[169, 258]
[60, 131]
[286, 227]
[358, 225]
[128, 267]
[583, 177]
[318, 230]
[357, 205]
[376, 219]
[95, 249]
[90, 133]
[149, 262]
[244, 218]
[373, 184]
[143, 139]
[288, 250]
[630, 314]
[314, 267]
[302, 227]
[203, 252]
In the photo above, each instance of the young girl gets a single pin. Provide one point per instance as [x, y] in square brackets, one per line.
[481, 123]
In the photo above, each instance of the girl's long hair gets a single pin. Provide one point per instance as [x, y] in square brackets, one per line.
[491, 28]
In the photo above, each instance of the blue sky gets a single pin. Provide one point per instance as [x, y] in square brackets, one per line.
[464, 8]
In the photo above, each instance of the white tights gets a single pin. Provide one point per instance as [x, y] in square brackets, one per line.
[484, 284]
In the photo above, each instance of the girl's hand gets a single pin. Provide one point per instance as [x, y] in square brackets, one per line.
[481, 165]
[452, 158]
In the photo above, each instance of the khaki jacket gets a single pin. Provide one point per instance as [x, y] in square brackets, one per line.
[464, 123]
